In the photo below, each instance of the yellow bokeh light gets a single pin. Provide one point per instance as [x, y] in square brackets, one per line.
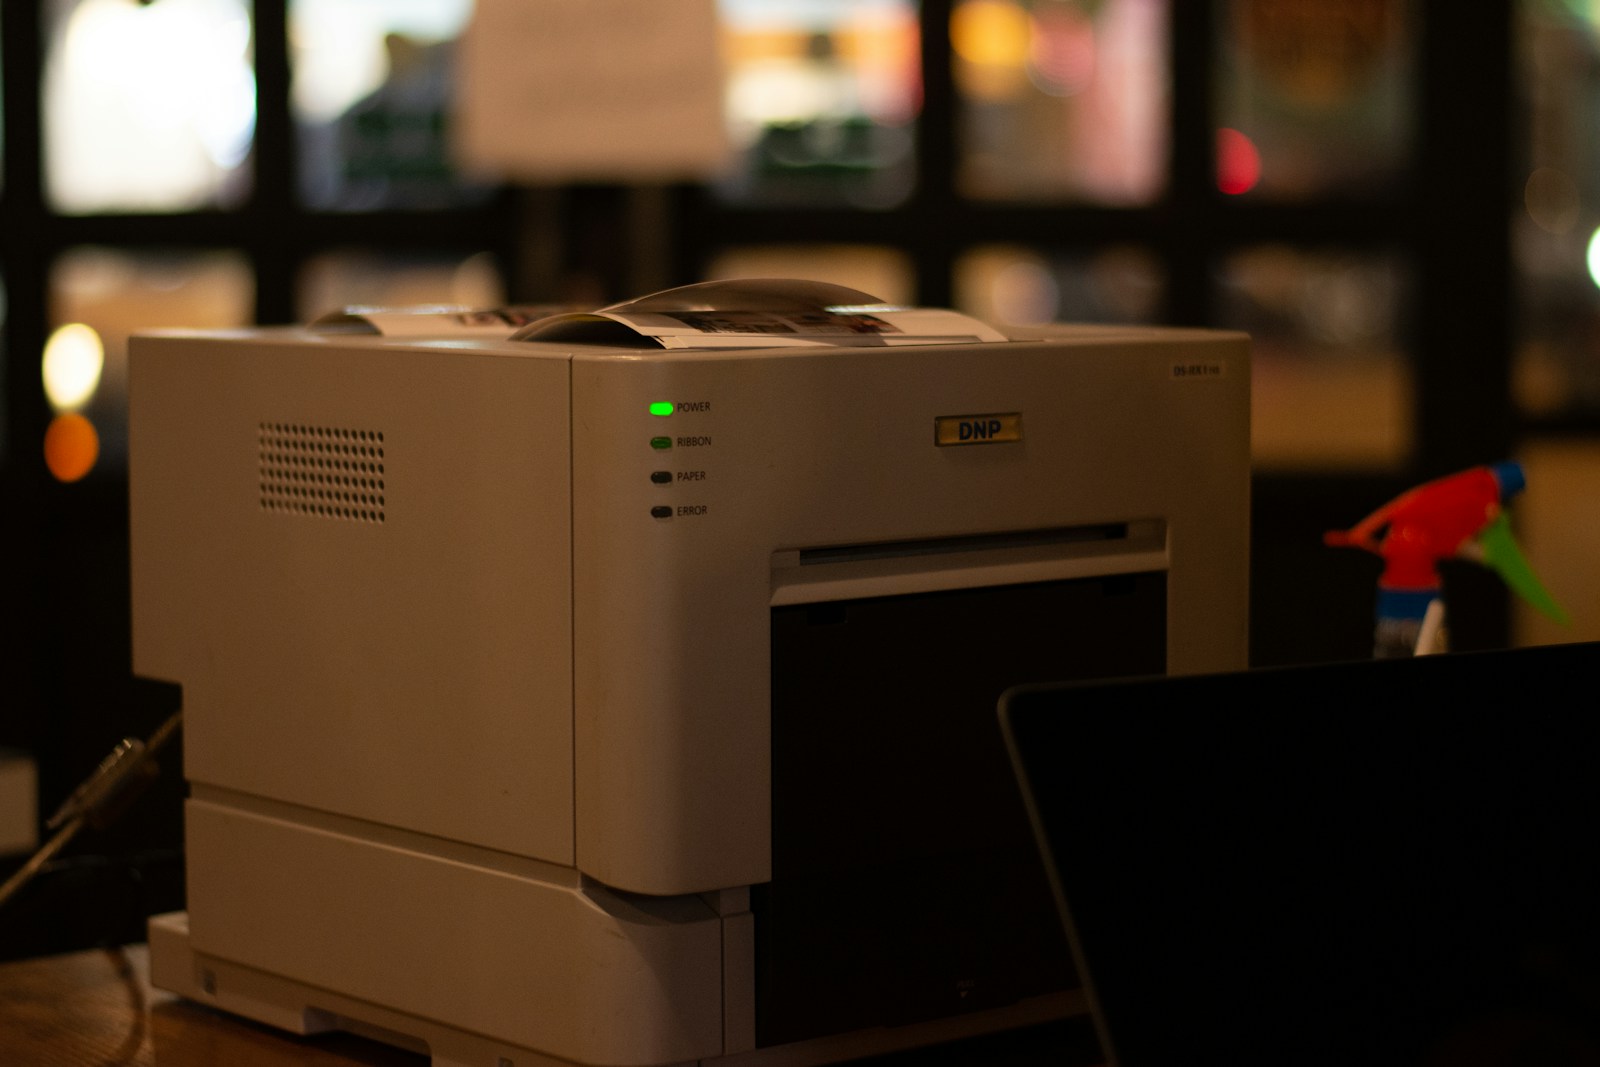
[71, 446]
[991, 40]
[991, 33]
[74, 358]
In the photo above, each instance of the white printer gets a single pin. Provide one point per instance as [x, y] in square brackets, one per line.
[622, 690]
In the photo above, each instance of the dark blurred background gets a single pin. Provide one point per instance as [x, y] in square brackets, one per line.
[1398, 199]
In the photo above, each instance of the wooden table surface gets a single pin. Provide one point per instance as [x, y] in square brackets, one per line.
[97, 1009]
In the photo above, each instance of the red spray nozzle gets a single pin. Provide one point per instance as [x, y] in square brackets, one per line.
[1430, 523]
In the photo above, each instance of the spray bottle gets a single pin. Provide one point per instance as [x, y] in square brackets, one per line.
[1459, 516]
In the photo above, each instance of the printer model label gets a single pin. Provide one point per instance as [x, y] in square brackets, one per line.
[977, 429]
[1190, 370]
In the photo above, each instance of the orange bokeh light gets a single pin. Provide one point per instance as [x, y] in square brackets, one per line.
[71, 446]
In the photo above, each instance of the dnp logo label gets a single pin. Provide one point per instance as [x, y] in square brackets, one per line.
[977, 429]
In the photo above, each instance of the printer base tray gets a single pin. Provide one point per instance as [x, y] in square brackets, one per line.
[302, 1009]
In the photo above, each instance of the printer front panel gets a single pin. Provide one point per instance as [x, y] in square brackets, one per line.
[778, 476]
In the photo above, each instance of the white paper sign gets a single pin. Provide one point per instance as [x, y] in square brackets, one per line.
[601, 90]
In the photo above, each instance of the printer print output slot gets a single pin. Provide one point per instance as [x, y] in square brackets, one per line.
[1112, 531]
[834, 572]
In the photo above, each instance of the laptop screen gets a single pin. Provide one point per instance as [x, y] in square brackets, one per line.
[1384, 862]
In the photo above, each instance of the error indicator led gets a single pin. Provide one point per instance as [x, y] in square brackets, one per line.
[661, 407]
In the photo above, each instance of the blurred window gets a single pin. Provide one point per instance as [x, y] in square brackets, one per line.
[370, 279]
[100, 296]
[371, 99]
[822, 97]
[148, 107]
[1314, 99]
[1014, 286]
[1331, 387]
[1555, 526]
[1556, 225]
[1062, 100]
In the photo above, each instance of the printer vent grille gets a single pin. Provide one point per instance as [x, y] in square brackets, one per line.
[321, 471]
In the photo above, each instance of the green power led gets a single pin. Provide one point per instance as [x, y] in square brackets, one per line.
[661, 407]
